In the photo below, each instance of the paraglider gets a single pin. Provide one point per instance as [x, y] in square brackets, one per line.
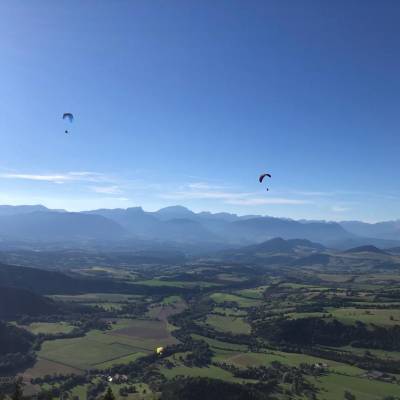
[159, 351]
[69, 117]
[262, 176]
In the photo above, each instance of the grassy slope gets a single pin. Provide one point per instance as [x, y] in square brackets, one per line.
[229, 324]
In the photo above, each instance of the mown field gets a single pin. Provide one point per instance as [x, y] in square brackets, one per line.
[230, 324]
[127, 340]
[48, 327]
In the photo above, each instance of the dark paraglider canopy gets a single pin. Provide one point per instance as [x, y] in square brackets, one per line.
[261, 178]
[69, 117]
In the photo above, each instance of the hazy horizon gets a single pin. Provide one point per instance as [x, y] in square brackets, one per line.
[145, 209]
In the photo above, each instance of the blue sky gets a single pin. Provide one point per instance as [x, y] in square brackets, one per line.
[187, 102]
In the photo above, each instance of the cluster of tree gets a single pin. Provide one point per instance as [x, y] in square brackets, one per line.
[144, 368]
[13, 362]
[366, 361]
[200, 355]
[11, 386]
[187, 322]
[133, 369]
[127, 390]
[84, 326]
[279, 373]
[109, 395]
[16, 348]
[213, 389]
[135, 309]
[64, 384]
[96, 389]
[318, 331]
[67, 381]
[15, 392]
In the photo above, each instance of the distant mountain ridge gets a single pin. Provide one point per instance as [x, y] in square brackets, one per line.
[13, 210]
[51, 226]
[380, 230]
[175, 224]
[181, 224]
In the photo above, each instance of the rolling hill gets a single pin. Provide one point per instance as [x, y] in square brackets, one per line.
[273, 251]
[366, 249]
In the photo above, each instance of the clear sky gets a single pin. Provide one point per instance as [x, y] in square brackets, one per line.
[187, 102]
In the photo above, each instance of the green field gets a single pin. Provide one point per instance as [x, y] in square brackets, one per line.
[388, 355]
[332, 387]
[241, 357]
[122, 360]
[180, 284]
[109, 272]
[229, 324]
[105, 305]
[256, 293]
[218, 345]
[44, 367]
[49, 327]
[230, 277]
[368, 316]
[172, 300]
[337, 278]
[241, 301]
[126, 339]
[84, 352]
[210, 372]
[293, 359]
[81, 390]
[229, 310]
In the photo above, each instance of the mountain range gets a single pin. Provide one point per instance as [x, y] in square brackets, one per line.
[36, 224]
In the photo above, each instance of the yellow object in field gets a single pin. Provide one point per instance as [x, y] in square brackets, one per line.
[159, 350]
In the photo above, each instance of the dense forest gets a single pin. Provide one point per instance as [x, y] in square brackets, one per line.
[317, 331]
[212, 389]
[16, 348]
